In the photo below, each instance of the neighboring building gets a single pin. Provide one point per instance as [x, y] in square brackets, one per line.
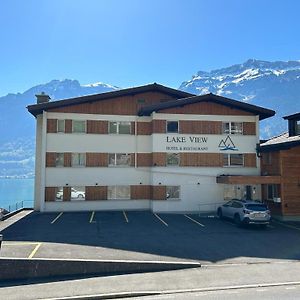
[281, 157]
[149, 147]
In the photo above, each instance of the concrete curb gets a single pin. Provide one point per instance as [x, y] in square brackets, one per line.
[37, 268]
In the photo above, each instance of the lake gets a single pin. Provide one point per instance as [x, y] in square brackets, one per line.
[16, 190]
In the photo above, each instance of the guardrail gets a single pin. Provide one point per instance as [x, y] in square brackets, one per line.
[19, 205]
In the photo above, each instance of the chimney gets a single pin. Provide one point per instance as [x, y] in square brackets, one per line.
[42, 98]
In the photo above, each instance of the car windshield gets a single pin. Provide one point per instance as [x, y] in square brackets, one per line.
[256, 207]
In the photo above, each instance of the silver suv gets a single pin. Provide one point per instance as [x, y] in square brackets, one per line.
[245, 212]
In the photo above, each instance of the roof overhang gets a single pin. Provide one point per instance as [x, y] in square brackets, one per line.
[37, 109]
[248, 179]
[262, 112]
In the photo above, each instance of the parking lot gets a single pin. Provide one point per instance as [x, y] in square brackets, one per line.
[140, 235]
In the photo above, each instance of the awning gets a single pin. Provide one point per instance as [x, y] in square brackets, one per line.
[248, 179]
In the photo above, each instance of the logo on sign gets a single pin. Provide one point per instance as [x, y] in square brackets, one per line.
[227, 144]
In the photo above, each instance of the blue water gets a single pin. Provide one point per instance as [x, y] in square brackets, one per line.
[14, 191]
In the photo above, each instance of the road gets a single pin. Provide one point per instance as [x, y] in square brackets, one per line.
[267, 293]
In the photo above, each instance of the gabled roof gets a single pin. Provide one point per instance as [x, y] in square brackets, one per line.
[292, 117]
[36, 109]
[257, 110]
[280, 142]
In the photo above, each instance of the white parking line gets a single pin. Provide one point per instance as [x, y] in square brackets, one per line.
[125, 216]
[36, 248]
[92, 217]
[54, 220]
[159, 218]
[194, 221]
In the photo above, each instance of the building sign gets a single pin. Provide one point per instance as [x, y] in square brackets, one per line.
[227, 144]
[203, 143]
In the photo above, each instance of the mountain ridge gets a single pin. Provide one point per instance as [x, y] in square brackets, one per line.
[274, 85]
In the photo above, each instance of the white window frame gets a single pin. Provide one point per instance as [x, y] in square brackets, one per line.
[115, 160]
[230, 130]
[228, 160]
[173, 165]
[64, 126]
[114, 194]
[168, 121]
[118, 127]
[81, 132]
[59, 189]
[172, 186]
[63, 160]
[82, 157]
[76, 188]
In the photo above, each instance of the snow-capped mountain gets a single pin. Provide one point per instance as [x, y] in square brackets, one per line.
[275, 85]
[17, 130]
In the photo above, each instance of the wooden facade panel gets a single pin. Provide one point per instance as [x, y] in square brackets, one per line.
[51, 125]
[50, 159]
[96, 159]
[67, 159]
[93, 193]
[249, 128]
[68, 126]
[140, 192]
[159, 126]
[97, 127]
[144, 159]
[159, 159]
[250, 160]
[201, 160]
[200, 127]
[159, 192]
[132, 128]
[66, 193]
[207, 108]
[144, 128]
[50, 194]
[124, 105]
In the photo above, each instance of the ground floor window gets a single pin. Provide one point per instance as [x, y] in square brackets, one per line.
[173, 192]
[273, 191]
[59, 193]
[78, 193]
[118, 192]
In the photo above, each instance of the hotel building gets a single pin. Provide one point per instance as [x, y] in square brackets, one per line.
[146, 148]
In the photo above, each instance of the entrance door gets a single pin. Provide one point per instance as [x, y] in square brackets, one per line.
[248, 192]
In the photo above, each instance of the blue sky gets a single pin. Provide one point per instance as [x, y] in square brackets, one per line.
[134, 42]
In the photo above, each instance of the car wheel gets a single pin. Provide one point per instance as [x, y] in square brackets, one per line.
[237, 219]
[80, 196]
[219, 213]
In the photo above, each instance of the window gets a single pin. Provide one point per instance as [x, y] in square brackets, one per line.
[119, 159]
[59, 160]
[273, 191]
[267, 158]
[297, 127]
[59, 193]
[233, 160]
[60, 125]
[236, 204]
[172, 159]
[173, 192]
[118, 192]
[77, 193]
[119, 127]
[233, 128]
[78, 126]
[172, 127]
[78, 159]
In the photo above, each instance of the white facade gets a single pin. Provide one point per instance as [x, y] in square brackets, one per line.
[198, 188]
